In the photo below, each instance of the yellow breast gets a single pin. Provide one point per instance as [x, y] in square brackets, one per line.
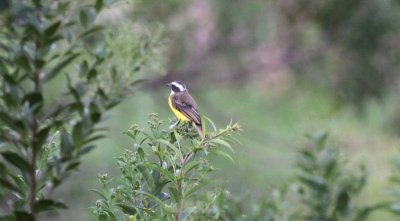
[178, 114]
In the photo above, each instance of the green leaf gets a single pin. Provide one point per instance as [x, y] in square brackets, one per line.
[342, 203]
[187, 214]
[83, 18]
[21, 184]
[314, 182]
[159, 186]
[141, 153]
[39, 63]
[8, 217]
[87, 16]
[8, 78]
[67, 145]
[103, 217]
[10, 122]
[100, 194]
[18, 205]
[320, 139]
[34, 28]
[146, 174]
[63, 6]
[223, 143]
[93, 138]
[193, 189]
[57, 68]
[7, 184]
[42, 136]
[212, 123]
[3, 169]
[204, 125]
[34, 99]
[101, 54]
[23, 62]
[127, 209]
[5, 48]
[175, 195]
[223, 154]
[98, 5]
[52, 40]
[365, 212]
[45, 205]
[86, 150]
[37, 3]
[92, 74]
[77, 95]
[169, 175]
[191, 165]
[17, 161]
[156, 199]
[72, 166]
[95, 115]
[174, 148]
[91, 31]
[77, 133]
[52, 29]
[23, 216]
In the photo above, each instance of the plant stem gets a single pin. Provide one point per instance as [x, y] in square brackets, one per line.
[35, 148]
[32, 173]
[180, 191]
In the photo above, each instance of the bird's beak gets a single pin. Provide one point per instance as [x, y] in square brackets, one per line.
[168, 85]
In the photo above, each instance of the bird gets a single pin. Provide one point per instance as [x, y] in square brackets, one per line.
[184, 106]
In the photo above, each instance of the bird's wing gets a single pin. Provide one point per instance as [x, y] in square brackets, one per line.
[187, 106]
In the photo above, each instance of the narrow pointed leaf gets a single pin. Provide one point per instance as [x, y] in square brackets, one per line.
[174, 148]
[223, 143]
[17, 161]
[223, 153]
[164, 172]
[46, 204]
[58, 68]
[23, 216]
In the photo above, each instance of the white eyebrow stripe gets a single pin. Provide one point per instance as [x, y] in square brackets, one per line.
[176, 84]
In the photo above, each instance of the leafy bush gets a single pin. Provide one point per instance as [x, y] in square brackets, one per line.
[393, 191]
[278, 206]
[44, 135]
[163, 175]
[324, 189]
[328, 189]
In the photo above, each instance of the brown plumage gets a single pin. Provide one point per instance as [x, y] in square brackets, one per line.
[184, 103]
[184, 106]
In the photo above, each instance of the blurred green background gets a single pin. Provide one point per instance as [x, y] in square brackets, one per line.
[282, 69]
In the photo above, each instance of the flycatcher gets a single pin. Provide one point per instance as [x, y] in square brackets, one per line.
[184, 106]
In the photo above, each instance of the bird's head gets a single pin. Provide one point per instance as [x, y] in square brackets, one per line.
[177, 86]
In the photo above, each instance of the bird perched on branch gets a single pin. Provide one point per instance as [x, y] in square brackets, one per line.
[184, 106]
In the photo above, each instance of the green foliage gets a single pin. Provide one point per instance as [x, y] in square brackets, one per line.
[323, 190]
[393, 191]
[43, 136]
[277, 207]
[163, 175]
[328, 189]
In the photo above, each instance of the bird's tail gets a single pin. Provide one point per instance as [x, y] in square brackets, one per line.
[199, 128]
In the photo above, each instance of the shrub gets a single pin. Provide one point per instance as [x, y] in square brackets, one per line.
[44, 135]
[163, 175]
[328, 188]
[393, 191]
